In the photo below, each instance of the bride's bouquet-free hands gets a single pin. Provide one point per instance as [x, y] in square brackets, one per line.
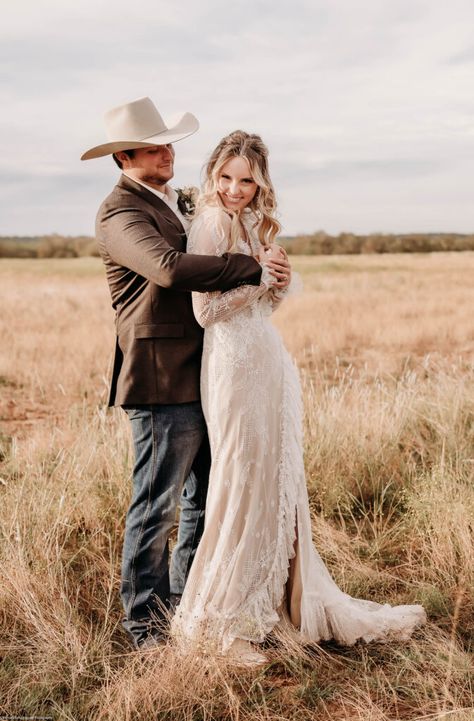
[275, 257]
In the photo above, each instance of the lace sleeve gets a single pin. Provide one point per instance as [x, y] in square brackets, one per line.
[278, 295]
[209, 235]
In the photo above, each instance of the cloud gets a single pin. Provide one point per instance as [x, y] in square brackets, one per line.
[360, 170]
[463, 57]
[354, 100]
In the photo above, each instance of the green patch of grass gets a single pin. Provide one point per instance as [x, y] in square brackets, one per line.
[312, 692]
[435, 602]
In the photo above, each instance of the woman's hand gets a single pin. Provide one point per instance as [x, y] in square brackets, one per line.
[273, 251]
[276, 258]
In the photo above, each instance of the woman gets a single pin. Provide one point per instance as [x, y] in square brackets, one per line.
[256, 565]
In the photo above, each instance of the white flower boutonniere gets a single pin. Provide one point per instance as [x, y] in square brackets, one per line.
[187, 199]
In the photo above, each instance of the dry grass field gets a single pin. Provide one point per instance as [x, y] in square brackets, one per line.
[386, 349]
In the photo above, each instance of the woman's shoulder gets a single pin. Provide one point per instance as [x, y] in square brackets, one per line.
[210, 228]
[213, 215]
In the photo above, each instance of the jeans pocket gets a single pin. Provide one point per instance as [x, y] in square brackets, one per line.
[134, 413]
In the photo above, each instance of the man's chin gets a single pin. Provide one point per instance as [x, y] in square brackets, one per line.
[157, 179]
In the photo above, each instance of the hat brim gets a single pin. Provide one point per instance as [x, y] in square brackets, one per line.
[186, 126]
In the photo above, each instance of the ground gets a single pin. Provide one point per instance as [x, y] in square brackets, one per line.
[385, 344]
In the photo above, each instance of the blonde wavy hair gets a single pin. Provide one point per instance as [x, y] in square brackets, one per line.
[239, 144]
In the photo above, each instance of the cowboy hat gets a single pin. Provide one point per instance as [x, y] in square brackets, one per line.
[138, 125]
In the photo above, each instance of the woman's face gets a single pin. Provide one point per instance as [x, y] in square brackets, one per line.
[235, 184]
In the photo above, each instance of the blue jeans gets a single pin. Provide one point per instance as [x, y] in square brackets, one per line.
[172, 462]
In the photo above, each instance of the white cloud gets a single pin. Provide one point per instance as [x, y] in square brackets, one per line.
[367, 107]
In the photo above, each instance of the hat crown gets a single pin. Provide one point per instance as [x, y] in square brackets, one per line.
[137, 120]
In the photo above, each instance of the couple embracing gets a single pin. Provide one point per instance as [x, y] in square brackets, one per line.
[215, 405]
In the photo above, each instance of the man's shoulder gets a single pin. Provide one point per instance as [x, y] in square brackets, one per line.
[121, 198]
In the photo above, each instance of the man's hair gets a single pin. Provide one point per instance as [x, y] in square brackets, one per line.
[118, 162]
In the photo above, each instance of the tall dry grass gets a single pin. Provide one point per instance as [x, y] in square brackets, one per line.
[386, 350]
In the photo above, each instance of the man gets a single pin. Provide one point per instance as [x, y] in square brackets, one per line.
[142, 240]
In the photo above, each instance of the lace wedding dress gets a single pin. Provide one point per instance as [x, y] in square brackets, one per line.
[257, 513]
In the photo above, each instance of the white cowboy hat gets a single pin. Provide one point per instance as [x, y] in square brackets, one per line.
[138, 125]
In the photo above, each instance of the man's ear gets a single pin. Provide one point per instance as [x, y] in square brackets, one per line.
[121, 157]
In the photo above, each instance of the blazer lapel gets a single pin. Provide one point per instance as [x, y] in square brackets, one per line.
[149, 197]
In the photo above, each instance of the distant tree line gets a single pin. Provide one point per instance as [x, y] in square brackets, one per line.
[319, 243]
[48, 246]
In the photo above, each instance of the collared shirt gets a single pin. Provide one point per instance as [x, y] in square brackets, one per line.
[170, 197]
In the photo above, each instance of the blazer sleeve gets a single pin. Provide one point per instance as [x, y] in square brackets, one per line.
[132, 240]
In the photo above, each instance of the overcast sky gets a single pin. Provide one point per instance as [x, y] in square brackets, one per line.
[367, 106]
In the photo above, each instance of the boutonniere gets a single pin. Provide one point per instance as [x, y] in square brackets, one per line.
[187, 199]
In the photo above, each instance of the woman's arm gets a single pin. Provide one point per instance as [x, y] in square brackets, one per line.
[209, 235]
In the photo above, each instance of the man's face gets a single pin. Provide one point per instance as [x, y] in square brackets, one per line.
[153, 165]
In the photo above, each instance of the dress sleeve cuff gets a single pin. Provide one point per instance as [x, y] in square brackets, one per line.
[267, 278]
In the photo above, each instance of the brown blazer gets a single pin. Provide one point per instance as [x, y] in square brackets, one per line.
[150, 276]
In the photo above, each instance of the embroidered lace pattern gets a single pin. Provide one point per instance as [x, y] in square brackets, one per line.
[257, 500]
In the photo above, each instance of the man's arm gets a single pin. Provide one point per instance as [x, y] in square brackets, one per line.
[132, 240]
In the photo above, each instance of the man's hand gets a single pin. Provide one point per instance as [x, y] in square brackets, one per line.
[276, 258]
